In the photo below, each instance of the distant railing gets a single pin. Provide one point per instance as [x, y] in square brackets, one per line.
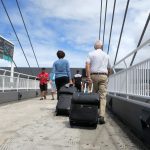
[18, 82]
[131, 81]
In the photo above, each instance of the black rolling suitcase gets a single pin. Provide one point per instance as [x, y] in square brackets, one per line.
[84, 109]
[64, 100]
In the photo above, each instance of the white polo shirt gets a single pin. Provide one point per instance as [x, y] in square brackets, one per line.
[99, 61]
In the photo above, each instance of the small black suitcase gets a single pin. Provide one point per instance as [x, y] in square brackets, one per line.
[67, 89]
[64, 101]
[63, 105]
[84, 109]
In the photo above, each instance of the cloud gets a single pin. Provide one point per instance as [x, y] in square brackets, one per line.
[65, 9]
[72, 26]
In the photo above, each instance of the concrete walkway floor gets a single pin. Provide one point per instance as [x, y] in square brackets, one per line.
[32, 125]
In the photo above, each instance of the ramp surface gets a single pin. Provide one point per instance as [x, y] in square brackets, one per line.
[32, 125]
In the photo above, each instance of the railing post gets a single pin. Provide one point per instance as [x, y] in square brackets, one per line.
[12, 75]
[115, 85]
[126, 79]
[18, 82]
[4, 72]
[28, 83]
[148, 78]
[35, 81]
[127, 84]
[3, 83]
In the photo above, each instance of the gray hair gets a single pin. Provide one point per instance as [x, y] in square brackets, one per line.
[98, 44]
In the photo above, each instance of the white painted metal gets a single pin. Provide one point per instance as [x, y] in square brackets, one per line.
[137, 49]
[134, 80]
[27, 82]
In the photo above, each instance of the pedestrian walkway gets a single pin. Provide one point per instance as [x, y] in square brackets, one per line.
[32, 125]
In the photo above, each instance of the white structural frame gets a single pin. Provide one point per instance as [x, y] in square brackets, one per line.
[27, 82]
[133, 80]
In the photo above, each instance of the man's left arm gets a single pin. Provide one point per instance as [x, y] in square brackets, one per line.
[88, 72]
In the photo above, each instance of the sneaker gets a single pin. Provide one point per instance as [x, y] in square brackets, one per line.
[101, 120]
[41, 98]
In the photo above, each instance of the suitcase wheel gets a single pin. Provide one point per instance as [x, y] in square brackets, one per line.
[56, 113]
[95, 126]
[71, 124]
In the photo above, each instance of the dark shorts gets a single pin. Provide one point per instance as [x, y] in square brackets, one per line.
[43, 87]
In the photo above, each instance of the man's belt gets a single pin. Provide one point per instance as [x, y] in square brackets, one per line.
[99, 73]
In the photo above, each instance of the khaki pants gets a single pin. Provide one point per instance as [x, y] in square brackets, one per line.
[100, 86]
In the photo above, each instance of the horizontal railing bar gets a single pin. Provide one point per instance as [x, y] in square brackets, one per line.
[140, 96]
[131, 100]
[18, 73]
[131, 67]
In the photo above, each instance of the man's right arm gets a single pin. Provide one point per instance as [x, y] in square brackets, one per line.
[88, 68]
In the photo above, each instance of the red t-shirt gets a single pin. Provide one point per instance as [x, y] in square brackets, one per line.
[43, 77]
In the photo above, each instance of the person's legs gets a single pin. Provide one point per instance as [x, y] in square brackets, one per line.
[58, 85]
[53, 89]
[45, 90]
[42, 92]
[100, 86]
[52, 93]
[95, 81]
[45, 93]
[57, 82]
[42, 95]
[65, 80]
[102, 91]
[78, 86]
[61, 82]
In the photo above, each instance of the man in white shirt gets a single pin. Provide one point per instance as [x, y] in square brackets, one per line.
[98, 69]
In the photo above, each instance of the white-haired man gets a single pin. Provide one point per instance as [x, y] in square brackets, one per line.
[98, 69]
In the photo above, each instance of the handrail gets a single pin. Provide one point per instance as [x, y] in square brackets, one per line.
[133, 80]
[8, 83]
[5, 70]
[135, 50]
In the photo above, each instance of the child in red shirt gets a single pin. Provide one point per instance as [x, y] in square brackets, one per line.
[43, 77]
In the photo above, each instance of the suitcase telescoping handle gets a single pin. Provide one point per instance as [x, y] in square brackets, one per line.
[85, 90]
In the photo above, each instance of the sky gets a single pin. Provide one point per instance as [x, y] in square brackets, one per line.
[72, 26]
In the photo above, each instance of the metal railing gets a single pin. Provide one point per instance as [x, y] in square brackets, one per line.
[131, 81]
[20, 81]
